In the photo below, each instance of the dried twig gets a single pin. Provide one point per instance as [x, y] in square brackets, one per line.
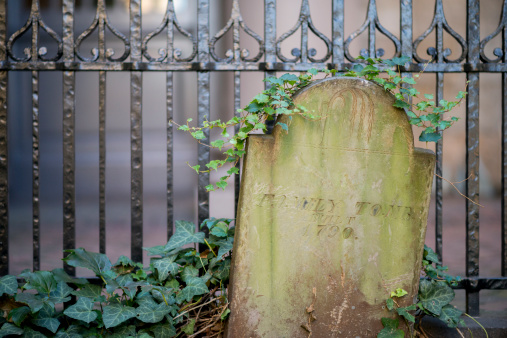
[459, 192]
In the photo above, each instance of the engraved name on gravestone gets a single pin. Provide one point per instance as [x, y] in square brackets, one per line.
[338, 205]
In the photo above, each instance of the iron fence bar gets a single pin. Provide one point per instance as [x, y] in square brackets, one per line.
[136, 141]
[504, 170]
[203, 91]
[472, 158]
[35, 173]
[170, 152]
[4, 182]
[338, 16]
[102, 162]
[242, 66]
[69, 104]
[270, 45]
[406, 28]
[504, 153]
[439, 206]
[237, 105]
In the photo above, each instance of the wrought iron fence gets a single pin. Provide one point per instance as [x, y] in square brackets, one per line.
[203, 60]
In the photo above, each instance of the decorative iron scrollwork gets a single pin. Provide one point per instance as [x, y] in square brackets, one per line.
[498, 52]
[236, 54]
[170, 22]
[101, 54]
[372, 22]
[305, 22]
[35, 53]
[439, 24]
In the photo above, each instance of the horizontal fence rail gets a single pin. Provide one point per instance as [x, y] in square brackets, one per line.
[203, 59]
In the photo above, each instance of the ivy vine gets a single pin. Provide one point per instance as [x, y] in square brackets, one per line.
[422, 110]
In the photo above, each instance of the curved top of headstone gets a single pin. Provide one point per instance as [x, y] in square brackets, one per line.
[355, 115]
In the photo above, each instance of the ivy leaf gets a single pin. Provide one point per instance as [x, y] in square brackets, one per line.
[42, 281]
[273, 80]
[195, 287]
[33, 301]
[71, 332]
[158, 250]
[403, 311]
[220, 230]
[435, 295]
[189, 272]
[149, 313]
[409, 80]
[261, 98]
[166, 330]
[19, 314]
[283, 126]
[429, 137]
[390, 329]
[44, 318]
[185, 234]
[223, 271]
[10, 329]
[125, 331]
[451, 316]
[289, 78]
[82, 310]
[189, 328]
[390, 304]
[225, 314]
[30, 333]
[399, 293]
[96, 262]
[89, 291]
[218, 144]
[116, 314]
[254, 107]
[198, 135]
[165, 266]
[400, 61]
[224, 246]
[222, 184]
[62, 276]
[430, 255]
[401, 104]
[60, 294]
[8, 285]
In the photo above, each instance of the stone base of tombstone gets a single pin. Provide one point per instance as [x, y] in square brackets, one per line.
[331, 219]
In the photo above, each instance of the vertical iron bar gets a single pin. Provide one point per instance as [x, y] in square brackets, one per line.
[372, 12]
[438, 179]
[504, 158]
[237, 105]
[472, 159]
[69, 104]
[270, 47]
[102, 162]
[136, 141]
[338, 17]
[406, 28]
[35, 171]
[305, 10]
[203, 90]
[4, 195]
[170, 195]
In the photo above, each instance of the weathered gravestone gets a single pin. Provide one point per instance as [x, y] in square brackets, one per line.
[338, 206]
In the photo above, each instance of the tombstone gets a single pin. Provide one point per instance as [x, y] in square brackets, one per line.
[331, 218]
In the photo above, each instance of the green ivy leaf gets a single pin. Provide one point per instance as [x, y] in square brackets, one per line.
[399, 293]
[195, 287]
[10, 329]
[150, 313]
[261, 98]
[225, 314]
[390, 304]
[8, 285]
[225, 245]
[184, 234]
[218, 144]
[71, 332]
[89, 291]
[198, 135]
[82, 310]
[390, 329]
[42, 281]
[34, 302]
[254, 107]
[283, 126]
[45, 318]
[116, 314]
[165, 330]
[401, 104]
[222, 184]
[19, 314]
[451, 316]
[223, 270]
[409, 80]
[188, 272]
[220, 230]
[96, 262]
[435, 295]
[189, 328]
[165, 266]
[62, 276]
[429, 137]
[430, 255]
[60, 295]
[31, 333]
[403, 311]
